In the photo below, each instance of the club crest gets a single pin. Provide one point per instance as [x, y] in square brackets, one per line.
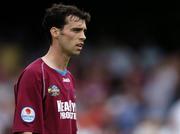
[53, 90]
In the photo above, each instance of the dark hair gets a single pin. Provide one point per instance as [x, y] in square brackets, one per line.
[55, 16]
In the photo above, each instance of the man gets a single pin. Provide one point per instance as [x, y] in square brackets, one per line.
[44, 92]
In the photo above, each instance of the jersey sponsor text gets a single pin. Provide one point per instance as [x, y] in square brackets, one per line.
[67, 109]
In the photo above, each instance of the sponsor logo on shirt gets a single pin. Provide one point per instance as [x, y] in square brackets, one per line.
[66, 109]
[27, 114]
[53, 90]
[66, 80]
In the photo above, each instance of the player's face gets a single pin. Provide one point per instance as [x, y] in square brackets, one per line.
[72, 36]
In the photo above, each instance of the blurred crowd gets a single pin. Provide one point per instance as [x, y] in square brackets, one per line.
[120, 89]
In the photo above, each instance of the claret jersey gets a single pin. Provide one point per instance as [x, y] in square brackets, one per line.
[45, 101]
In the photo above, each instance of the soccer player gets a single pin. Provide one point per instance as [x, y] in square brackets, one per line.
[44, 92]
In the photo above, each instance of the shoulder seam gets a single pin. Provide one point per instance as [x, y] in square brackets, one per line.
[44, 83]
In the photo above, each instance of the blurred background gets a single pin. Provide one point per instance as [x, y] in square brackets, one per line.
[127, 76]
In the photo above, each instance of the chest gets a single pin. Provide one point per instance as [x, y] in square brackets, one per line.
[59, 87]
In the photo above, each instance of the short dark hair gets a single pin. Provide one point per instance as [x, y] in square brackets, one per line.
[55, 16]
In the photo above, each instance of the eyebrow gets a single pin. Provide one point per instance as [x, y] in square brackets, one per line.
[77, 28]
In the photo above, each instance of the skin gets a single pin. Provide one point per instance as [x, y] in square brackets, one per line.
[71, 35]
[66, 42]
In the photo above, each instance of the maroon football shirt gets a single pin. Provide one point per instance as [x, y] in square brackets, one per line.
[45, 101]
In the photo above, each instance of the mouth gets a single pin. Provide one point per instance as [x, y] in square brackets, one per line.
[79, 45]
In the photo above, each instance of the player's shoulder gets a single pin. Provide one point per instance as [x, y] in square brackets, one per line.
[34, 67]
[31, 71]
[69, 73]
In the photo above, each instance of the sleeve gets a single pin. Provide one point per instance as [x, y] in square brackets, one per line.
[28, 116]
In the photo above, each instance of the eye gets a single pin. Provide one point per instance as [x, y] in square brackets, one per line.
[77, 29]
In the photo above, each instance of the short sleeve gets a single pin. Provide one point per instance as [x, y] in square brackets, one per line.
[28, 116]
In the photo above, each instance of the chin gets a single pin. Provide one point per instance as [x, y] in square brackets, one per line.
[75, 53]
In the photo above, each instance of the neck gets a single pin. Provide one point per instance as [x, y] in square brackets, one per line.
[56, 59]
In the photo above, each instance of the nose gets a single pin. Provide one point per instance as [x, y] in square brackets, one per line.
[83, 37]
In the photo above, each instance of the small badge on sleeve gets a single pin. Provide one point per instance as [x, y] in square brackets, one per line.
[27, 114]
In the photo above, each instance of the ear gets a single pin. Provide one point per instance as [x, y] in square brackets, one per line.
[54, 32]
